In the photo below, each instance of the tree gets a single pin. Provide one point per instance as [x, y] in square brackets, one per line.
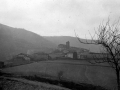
[108, 36]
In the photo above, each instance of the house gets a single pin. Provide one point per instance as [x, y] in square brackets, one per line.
[100, 55]
[78, 50]
[69, 55]
[19, 59]
[61, 47]
[23, 56]
[72, 55]
[40, 56]
[83, 55]
[64, 46]
[72, 52]
[56, 55]
[93, 55]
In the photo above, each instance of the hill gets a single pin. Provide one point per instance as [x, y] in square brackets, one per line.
[16, 40]
[73, 42]
[78, 71]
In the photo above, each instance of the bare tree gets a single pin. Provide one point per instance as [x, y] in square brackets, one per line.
[108, 36]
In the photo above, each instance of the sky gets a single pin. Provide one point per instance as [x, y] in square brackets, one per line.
[58, 17]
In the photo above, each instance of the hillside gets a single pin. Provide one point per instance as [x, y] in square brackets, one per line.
[78, 71]
[73, 42]
[16, 40]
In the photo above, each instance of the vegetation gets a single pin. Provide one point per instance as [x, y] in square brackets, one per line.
[61, 83]
[70, 70]
[18, 84]
[60, 74]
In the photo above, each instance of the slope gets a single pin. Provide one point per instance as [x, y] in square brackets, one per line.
[15, 40]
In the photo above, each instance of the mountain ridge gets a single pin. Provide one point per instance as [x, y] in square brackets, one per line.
[16, 40]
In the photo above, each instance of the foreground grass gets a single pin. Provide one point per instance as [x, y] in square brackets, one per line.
[8, 84]
[62, 83]
[75, 71]
[66, 84]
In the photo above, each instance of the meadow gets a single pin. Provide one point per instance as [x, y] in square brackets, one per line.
[78, 71]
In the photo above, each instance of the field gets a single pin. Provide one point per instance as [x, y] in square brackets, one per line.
[71, 70]
[22, 84]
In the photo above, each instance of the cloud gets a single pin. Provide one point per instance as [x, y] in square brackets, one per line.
[58, 17]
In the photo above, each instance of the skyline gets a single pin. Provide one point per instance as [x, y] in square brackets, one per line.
[58, 17]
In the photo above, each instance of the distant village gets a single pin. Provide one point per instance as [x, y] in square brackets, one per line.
[62, 52]
[67, 51]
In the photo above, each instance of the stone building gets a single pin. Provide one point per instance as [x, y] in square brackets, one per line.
[64, 46]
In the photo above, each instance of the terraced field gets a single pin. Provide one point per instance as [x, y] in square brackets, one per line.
[77, 71]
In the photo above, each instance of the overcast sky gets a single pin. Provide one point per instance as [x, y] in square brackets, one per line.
[58, 17]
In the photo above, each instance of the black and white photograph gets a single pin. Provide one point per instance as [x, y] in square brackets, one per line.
[59, 44]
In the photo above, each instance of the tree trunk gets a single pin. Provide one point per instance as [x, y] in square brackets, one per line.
[118, 80]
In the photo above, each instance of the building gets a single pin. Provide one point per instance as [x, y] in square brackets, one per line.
[67, 48]
[93, 55]
[69, 55]
[83, 55]
[56, 55]
[67, 44]
[22, 56]
[64, 46]
[72, 52]
[72, 55]
[40, 56]
[78, 50]
[61, 47]
[99, 55]
[19, 59]
[75, 55]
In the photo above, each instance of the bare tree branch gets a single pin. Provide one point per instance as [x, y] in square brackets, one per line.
[108, 36]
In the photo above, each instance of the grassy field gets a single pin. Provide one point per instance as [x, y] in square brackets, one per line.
[22, 84]
[71, 70]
